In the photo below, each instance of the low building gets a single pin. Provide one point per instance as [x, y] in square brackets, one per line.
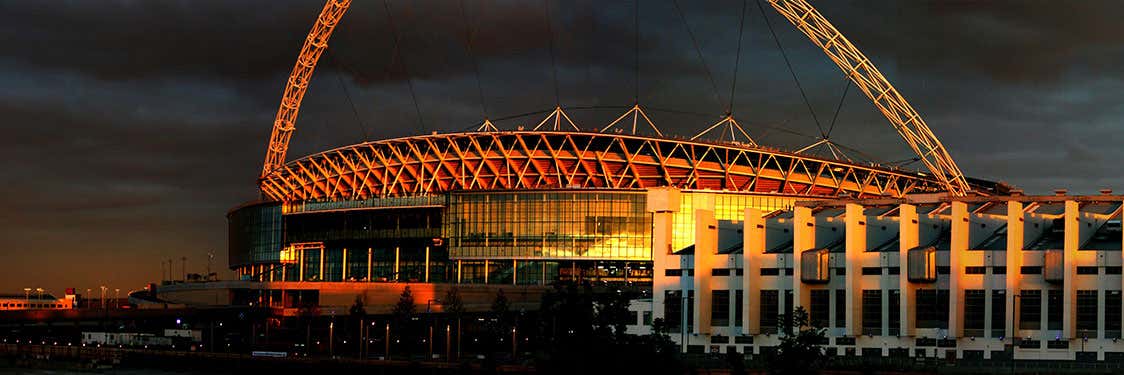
[1037, 277]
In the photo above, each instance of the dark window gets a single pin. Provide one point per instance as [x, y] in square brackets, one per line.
[1030, 344]
[867, 271]
[975, 270]
[738, 307]
[720, 272]
[788, 271]
[1087, 313]
[739, 271]
[1112, 270]
[1030, 309]
[789, 306]
[770, 305]
[1057, 344]
[765, 271]
[943, 270]
[998, 313]
[1030, 270]
[1054, 309]
[633, 317]
[743, 339]
[894, 309]
[690, 308]
[923, 341]
[841, 271]
[818, 316]
[672, 273]
[719, 339]
[872, 312]
[673, 309]
[999, 270]
[719, 308]
[974, 303]
[1112, 303]
[840, 308]
[1086, 270]
[932, 308]
[895, 271]
[844, 341]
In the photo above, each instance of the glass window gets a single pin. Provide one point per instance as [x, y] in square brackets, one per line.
[1030, 309]
[739, 306]
[720, 308]
[840, 308]
[998, 313]
[872, 312]
[932, 308]
[1112, 302]
[974, 314]
[770, 305]
[894, 302]
[820, 299]
[1054, 309]
[1087, 313]
[673, 309]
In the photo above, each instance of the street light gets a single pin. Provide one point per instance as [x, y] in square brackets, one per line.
[116, 297]
[430, 313]
[26, 297]
[103, 289]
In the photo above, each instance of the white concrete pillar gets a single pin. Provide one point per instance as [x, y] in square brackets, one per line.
[1014, 264]
[343, 264]
[706, 249]
[753, 255]
[1069, 259]
[908, 230]
[958, 253]
[803, 238]
[369, 278]
[854, 245]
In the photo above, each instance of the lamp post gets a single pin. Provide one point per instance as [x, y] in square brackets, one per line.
[331, 339]
[429, 312]
[39, 293]
[387, 355]
[26, 297]
[103, 289]
[116, 297]
[447, 343]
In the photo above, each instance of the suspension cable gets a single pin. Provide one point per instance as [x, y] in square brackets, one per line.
[838, 108]
[402, 64]
[553, 64]
[698, 51]
[737, 58]
[468, 36]
[791, 71]
[347, 93]
[636, 50]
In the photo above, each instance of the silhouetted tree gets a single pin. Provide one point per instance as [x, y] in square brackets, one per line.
[403, 314]
[454, 306]
[801, 347]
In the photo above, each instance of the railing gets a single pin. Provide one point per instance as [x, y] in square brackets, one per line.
[389, 202]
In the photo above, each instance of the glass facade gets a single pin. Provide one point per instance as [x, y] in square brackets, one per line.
[727, 206]
[254, 234]
[549, 224]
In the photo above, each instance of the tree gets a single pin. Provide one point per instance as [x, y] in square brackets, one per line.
[454, 306]
[801, 348]
[403, 314]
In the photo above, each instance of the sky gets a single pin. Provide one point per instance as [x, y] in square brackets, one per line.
[130, 128]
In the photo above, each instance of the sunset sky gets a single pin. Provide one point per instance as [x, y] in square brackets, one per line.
[131, 127]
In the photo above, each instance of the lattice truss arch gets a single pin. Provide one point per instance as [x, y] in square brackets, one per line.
[514, 160]
[905, 120]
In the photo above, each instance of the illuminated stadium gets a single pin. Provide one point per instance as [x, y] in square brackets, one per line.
[549, 202]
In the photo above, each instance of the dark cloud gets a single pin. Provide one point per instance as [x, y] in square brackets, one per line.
[130, 128]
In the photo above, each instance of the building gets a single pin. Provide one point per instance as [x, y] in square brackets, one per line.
[36, 301]
[921, 276]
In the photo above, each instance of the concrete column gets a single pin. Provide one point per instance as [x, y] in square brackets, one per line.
[1014, 264]
[854, 246]
[753, 254]
[706, 247]
[320, 271]
[459, 277]
[958, 253]
[803, 238]
[397, 275]
[514, 271]
[427, 264]
[485, 272]
[662, 203]
[343, 269]
[369, 278]
[908, 239]
[301, 273]
[1069, 259]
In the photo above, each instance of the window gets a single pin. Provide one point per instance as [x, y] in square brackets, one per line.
[1112, 270]
[738, 307]
[1085, 270]
[840, 308]
[789, 306]
[841, 271]
[998, 313]
[943, 270]
[872, 312]
[1030, 270]
[999, 270]
[647, 318]
[770, 304]
[690, 308]
[1112, 307]
[974, 312]
[1030, 309]
[1087, 313]
[932, 308]
[867, 271]
[720, 308]
[673, 309]
[1053, 309]
[894, 271]
[672, 273]
[895, 311]
[633, 317]
[766, 271]
[818, 316]
[975, 270]
[720, 272]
